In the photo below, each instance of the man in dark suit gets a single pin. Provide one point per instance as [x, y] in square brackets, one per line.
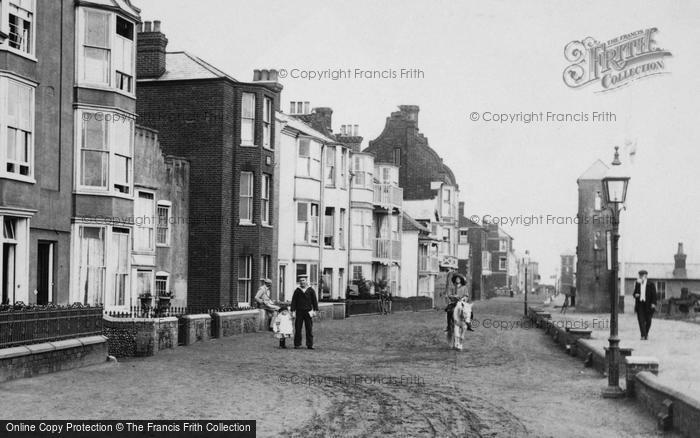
[304, 306]
[644, 303]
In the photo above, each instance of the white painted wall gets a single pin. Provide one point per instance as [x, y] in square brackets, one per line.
[409, 263]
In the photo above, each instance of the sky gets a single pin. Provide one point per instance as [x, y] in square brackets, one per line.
[503, 56]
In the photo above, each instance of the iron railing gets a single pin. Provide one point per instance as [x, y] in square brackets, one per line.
[34, 326]
[155, 312]
[387, 249]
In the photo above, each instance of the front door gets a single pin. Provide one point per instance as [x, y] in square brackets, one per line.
[44, 277]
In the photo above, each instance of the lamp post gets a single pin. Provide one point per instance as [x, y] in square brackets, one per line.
[615, 188]
[526, 261]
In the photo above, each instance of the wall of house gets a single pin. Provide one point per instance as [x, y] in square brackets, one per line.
[50, 194]
[409, 263]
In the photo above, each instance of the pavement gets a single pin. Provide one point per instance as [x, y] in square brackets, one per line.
[673, 342]
[370, 376]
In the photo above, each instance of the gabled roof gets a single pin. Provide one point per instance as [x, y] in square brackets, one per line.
[596, 171]
[184, 66]
[661, 271]
[465, 222]
[301, 126]
[410, 224]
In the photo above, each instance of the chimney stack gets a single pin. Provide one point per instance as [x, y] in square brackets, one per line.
[679, 266]
[150, 50]
[461, 209]
[299, 108]
[410, 112]
[269, 78]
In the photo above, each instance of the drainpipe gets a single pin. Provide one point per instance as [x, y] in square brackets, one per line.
[322, 223]
[351, 176]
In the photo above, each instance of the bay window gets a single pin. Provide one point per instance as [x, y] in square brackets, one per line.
[362, 236]
[17, 20]
[105, 152]
[16, 128]
[307, 222]
[246, 198]
[106, 56]
[309, 158]
[248, 119]
[92, 265]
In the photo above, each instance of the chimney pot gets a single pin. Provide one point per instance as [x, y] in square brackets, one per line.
[307, 107]
[256, 75]
[356, 130]
[156, 26]
[146, 26]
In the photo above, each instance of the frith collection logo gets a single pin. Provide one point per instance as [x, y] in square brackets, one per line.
[616, 62]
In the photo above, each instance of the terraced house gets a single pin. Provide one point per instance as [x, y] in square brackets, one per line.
[430, 190]
[68, 179]
[225, 128]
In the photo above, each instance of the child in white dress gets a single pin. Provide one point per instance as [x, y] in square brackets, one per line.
[282, 325]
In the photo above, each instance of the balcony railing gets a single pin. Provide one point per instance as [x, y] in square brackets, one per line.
[448, 261]
[387, 195]
[428, 264]
[387, 249]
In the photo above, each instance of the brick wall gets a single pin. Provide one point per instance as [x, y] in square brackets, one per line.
[592, 276]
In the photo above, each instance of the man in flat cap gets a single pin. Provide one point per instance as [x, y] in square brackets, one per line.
[644, 303]
[304, 307]
[264, 299]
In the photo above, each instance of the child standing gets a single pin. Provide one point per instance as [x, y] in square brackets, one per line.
[283, 326]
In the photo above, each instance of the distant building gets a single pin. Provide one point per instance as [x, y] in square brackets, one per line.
[567, 273]
[430, 189]
[669, 278]
[419, 260]
[592, 276]
[499, 245]
[479, 257]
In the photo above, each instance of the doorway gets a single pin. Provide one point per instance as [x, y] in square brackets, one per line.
[44, 276]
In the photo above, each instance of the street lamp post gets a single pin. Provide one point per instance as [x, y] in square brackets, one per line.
[615, 188]
[526, 261]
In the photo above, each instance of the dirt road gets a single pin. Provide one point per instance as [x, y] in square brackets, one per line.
[370, 376]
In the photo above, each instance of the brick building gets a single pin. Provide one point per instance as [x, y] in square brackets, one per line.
[225, 128]
[593, 278]
[479, 257]
[503, 264]
[430, 189]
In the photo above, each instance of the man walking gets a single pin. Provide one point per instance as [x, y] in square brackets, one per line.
[304, 307]
[644, 303]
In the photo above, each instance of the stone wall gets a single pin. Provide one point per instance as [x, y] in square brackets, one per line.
[235, 323]
[672, 409]
[49, 357]
[139, 336]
